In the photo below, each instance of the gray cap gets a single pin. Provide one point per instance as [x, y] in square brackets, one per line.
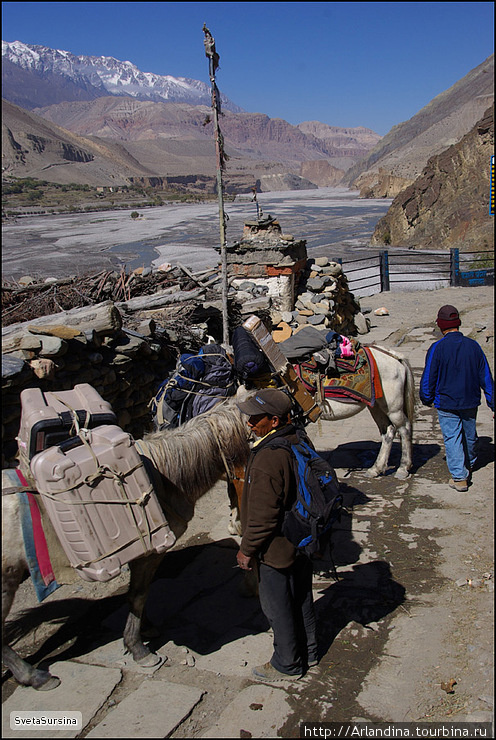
[266, 401]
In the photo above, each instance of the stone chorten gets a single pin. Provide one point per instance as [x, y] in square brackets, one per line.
[268, 257]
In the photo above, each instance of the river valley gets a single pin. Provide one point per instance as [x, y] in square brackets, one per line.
[334, 221]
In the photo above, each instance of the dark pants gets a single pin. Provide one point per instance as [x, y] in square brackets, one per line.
[287, 601]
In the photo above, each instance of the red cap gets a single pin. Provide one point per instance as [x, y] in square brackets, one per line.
[448, 318]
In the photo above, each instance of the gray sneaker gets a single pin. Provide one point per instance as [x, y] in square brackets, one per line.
[267, 672]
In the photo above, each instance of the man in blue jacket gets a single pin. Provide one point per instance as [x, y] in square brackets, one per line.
[455, 370]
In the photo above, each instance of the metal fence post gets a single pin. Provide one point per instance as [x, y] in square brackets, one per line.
[454, 266]
[384, 267]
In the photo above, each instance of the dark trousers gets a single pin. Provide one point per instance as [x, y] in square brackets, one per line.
[287, 601]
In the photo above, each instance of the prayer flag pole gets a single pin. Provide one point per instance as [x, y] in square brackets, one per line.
[213, 58]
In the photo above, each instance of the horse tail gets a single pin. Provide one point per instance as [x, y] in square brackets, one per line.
[409, 392]
[409, 389]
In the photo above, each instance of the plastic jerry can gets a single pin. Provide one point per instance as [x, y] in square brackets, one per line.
[101, 502]
[52, 417]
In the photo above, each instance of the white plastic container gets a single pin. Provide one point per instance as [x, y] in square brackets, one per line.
[101, 502]
[49, 418]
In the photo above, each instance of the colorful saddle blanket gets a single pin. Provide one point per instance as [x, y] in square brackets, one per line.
[356, 378]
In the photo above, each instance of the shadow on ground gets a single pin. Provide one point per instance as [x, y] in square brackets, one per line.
[485, 452]
[80, 620]
[197, 597]
[359, 456]
[364, 595]
[196, 600]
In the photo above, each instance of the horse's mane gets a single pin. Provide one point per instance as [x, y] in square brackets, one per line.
[195, 455]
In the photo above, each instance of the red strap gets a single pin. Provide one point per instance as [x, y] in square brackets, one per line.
[40, 544]
[376, 378]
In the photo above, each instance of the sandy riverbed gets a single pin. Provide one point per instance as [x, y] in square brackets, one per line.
[332, 221]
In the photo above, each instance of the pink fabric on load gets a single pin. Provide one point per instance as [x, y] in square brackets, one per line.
[345, 347]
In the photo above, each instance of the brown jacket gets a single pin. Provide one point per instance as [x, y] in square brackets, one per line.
[269, 491]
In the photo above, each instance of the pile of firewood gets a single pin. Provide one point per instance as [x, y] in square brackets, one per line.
[26, 302]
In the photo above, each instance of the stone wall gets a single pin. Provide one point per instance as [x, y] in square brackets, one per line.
[299, 290]
[267, 257]
[320, 297]
[124, 367]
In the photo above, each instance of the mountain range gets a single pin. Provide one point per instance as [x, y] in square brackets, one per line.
[448, 205]
[399, 158]
[100, 121]
[158, 120]
[51, 76]
[32, 147]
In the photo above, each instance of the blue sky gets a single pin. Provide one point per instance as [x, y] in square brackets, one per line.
[343, 63]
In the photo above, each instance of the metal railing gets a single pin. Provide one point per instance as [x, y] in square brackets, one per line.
[364, 274]
[472, 268]
[418, 271]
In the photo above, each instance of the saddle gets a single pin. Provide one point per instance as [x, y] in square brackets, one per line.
[348, 377]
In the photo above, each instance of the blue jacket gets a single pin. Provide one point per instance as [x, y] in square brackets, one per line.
[455, 370]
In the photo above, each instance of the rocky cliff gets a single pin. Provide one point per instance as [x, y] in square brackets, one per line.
[380, 184]
[402, 154]
[283, 181]
[448, 205]
[253, 136]
[345, 145]
[321, 172]
[173, 140]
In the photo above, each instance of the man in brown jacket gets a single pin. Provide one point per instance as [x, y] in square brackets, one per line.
[285, 574]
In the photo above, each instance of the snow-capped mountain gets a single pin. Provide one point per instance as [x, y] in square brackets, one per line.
[98, 76]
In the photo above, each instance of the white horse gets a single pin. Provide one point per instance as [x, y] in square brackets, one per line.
[393, 412]
[187, 462]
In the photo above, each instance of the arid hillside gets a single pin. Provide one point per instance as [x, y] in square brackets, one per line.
[33, 147]
[141, 138]
[399, 158]
[448, 205]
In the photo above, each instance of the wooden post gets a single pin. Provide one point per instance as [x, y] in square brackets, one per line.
[213, 58]
[384, 257]
[454, 267]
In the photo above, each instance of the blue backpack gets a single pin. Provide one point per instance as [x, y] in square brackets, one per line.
[319, 504]
[197, 383]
